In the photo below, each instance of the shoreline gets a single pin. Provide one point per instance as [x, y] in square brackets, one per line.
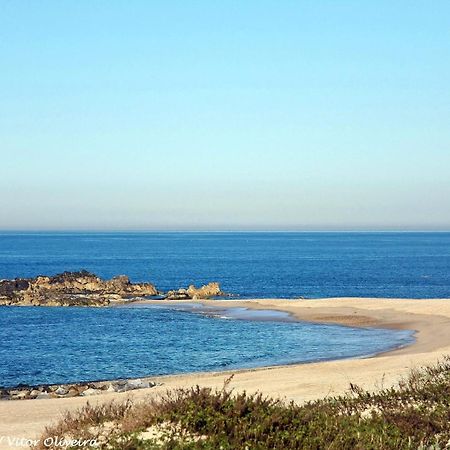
[254, 304]
[429, 318]
[47, 390]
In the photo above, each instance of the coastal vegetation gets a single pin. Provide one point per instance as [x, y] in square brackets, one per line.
[415, 414]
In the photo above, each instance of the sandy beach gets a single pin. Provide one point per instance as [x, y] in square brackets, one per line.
[301, 382]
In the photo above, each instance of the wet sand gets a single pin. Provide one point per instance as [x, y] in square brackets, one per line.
[300, 382]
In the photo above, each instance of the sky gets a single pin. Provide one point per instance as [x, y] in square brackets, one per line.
[224, 115]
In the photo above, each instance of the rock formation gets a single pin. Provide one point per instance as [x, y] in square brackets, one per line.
[87, 289]
[71, 289]
[192, 293]
[25, 392]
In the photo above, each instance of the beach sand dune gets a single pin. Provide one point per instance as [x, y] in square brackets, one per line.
[430, 319]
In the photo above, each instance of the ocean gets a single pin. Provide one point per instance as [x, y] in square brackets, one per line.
[60, 345]
[250, 265]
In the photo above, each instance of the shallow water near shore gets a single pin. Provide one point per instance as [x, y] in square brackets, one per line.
[62, 345]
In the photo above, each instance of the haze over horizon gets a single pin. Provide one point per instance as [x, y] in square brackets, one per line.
[224, 116]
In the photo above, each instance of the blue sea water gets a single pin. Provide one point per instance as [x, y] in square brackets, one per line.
[284, 265]
[61, 345]
[55, 345]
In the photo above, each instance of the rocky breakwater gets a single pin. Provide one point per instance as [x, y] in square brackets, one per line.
[71, 289]
[23, 392]
[192, 293]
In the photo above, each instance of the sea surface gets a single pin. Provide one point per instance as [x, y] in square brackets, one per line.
[284, 265]
[59, 345]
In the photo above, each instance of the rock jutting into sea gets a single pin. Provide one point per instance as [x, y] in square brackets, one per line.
[87, 289]
[71, 289]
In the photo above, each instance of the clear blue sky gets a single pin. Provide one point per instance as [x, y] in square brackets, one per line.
[224, 114]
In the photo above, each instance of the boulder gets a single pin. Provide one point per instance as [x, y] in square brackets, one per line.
[35, 393]
[72, 392]
[192, 293]
[180, 294]
[137, 384]
[20, 395]
[121, 285]
[90, 391]
[43, 395]
[206, 291]
[111, 388]
[61, 391]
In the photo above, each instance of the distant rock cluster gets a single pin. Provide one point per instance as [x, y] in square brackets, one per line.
[87, 289]
[22, 392]
[71, 289]
[193, 293]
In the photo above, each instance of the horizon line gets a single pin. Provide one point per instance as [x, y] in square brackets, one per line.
[237, 230]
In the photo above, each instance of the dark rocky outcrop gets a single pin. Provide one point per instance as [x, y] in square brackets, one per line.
[71, 289]
[192, 293]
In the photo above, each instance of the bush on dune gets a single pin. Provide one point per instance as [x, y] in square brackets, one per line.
[413, 415]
